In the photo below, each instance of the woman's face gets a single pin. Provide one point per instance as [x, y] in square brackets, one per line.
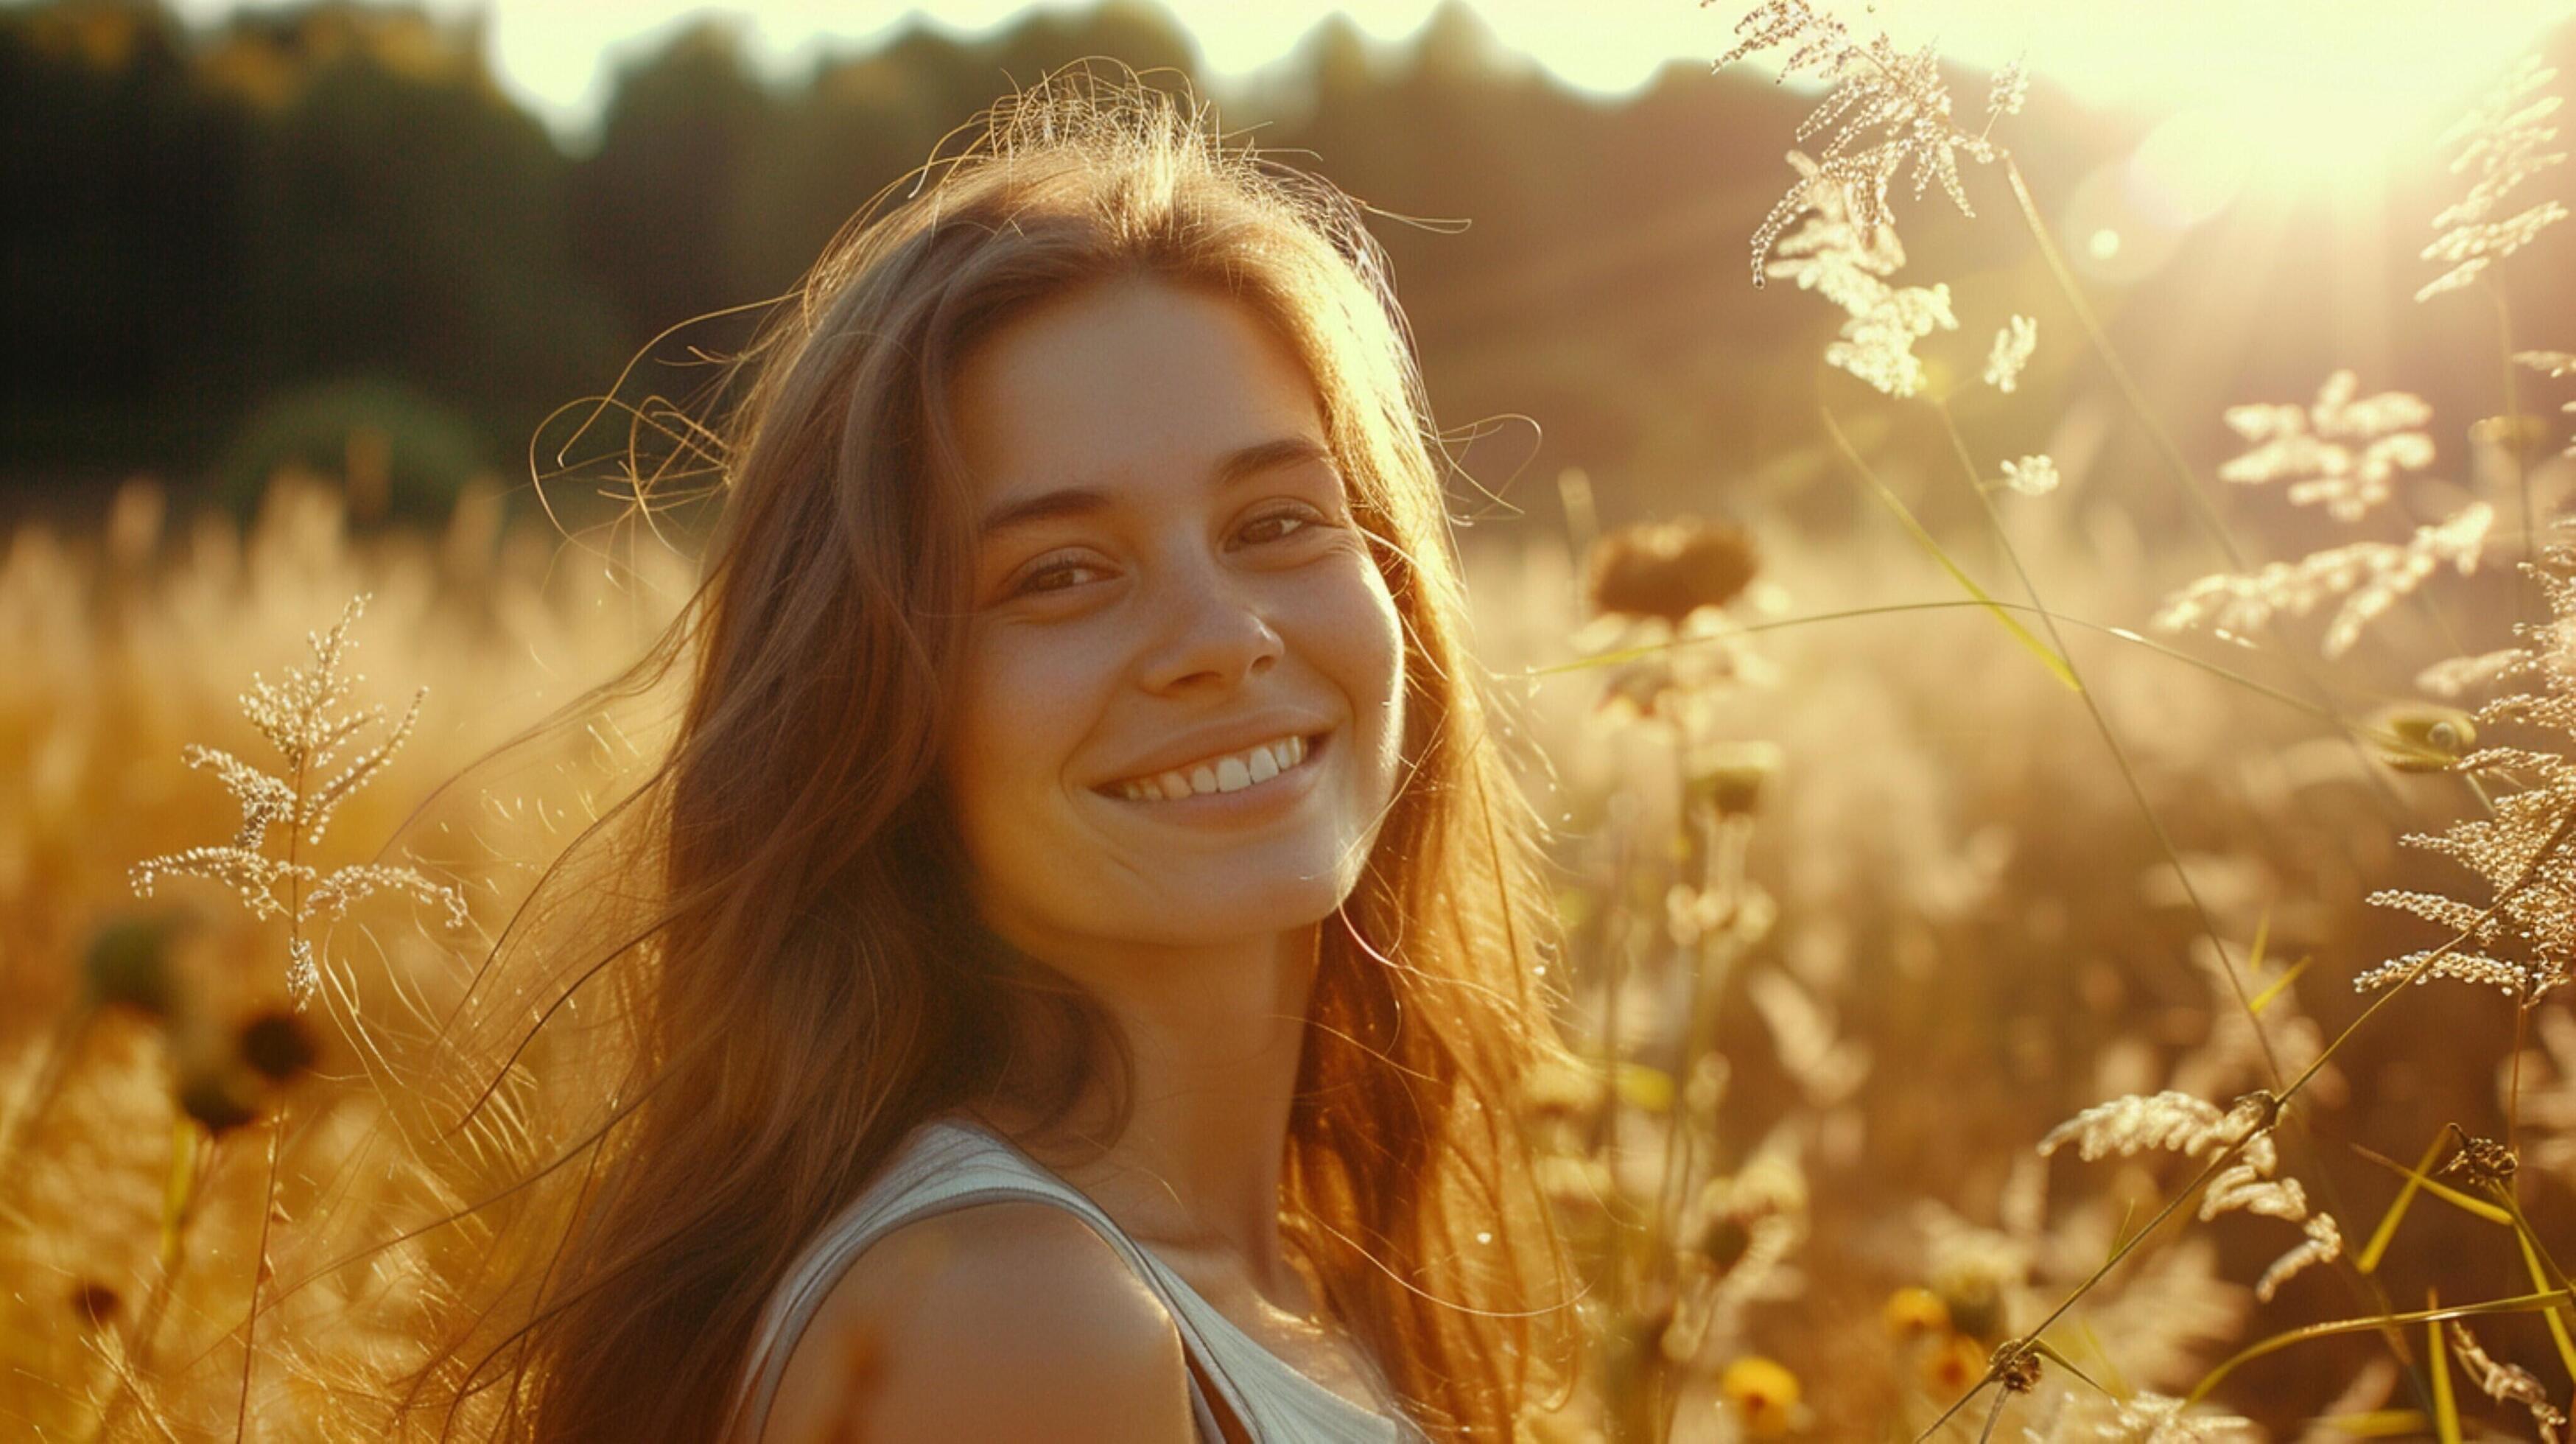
[1182, 703]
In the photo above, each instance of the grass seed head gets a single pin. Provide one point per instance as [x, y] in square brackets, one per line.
[2016, 1366]
[2484, 1161]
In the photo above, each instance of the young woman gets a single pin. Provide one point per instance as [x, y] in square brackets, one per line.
[1095, 935]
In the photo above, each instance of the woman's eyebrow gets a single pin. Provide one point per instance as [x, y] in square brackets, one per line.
[1085, 501]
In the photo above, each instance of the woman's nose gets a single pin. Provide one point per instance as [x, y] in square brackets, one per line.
[1207, 630]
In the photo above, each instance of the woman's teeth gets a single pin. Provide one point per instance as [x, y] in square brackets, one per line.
[1231, 773]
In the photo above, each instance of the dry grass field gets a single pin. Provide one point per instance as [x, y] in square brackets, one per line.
[2051, 978]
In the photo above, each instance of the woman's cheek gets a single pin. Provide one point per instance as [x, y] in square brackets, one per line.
[1033, 691]
[1359, 643]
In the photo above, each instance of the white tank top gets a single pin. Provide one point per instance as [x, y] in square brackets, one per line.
[952, 1162]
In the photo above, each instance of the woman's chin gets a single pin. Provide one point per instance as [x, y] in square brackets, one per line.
[1217, 914]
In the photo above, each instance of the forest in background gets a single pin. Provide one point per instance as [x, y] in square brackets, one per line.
[228, 248]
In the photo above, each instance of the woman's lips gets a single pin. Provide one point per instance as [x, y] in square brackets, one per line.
[1253, 793]
[1225, 772]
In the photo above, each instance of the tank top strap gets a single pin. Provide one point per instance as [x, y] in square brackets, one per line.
[944, 1167]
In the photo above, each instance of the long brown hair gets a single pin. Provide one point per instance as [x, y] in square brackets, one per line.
[793, 981]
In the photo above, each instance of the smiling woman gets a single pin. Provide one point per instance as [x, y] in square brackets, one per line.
[1088, 936]
[1137, 658]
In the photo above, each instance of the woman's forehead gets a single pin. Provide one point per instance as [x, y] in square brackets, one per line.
[1127, 381]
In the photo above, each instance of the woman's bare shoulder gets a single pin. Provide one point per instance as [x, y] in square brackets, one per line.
[1003, 1320]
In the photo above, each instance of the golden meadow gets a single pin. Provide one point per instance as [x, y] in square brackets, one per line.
[2048, 980]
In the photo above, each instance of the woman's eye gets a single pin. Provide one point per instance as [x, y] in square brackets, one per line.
[1054, 576]
[1277, 526]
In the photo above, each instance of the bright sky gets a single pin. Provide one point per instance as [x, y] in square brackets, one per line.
[2326, 68]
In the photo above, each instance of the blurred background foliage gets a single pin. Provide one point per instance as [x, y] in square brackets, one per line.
[263, 237]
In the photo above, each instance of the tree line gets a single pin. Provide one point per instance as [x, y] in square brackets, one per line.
[225, 244]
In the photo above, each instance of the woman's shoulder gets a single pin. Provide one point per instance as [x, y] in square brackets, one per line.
[1002, 1319]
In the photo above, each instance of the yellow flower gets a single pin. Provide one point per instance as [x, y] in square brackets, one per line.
[1763, 1392]
[1955, 1365]
[1912, 1313]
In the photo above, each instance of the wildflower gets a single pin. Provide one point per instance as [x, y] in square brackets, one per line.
[94, 1303]
[2505, 140]
[217, 1096]
[128, 965]
[1913, 1312]
[1959, 1362]
[2506, 1383]
[1873, 87]
[2011, 352]
[277, 1045]
[1974, 1272]
[2370, 576]
[1768, 1185]
[303, 718]
[2343, 450]
[1745, 1225]
[1649, 1090]
[1722, 1239]
[1730, 776]
[1671, 569]
[2032, 475]
[1764, 1394]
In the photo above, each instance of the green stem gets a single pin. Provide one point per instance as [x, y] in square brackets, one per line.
[2519, 1304]
[192, 1158]
[258, 1277]
[2111, 739]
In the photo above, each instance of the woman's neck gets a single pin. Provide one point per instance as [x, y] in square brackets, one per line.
[1216, 1035]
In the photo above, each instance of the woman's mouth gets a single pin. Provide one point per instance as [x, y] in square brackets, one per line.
[1239, 771]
